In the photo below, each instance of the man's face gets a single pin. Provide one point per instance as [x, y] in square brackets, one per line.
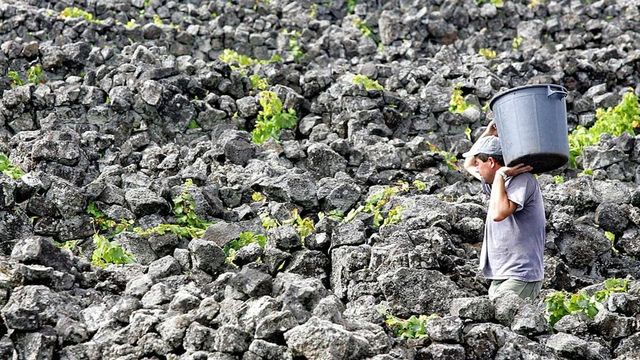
[486, 169]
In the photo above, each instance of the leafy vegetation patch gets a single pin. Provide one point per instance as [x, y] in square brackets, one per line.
[294, 45]
[106, 251]
[375, 202]
[364, 28]
[561, 303]
[412, 328]
[35, 76]
[496, 3]
[189, 225]
[272, 118]
[624, 117]
[258, 82]
[9, 169]
[242, 62]
[487, 53]
[516, 42]
[457, 104]
[75, 13]
[351, 6]
[245, 238]
[368, 84]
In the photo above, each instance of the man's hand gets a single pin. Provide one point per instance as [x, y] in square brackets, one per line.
[491, 130]
[516, 170]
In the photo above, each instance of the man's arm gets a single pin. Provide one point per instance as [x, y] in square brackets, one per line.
[469, 162]
[500, 207]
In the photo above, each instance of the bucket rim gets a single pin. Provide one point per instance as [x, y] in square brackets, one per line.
[504, 92]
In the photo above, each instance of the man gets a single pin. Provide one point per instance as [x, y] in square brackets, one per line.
[514, 234]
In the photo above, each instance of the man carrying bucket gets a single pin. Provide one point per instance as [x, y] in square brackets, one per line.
[514, 234]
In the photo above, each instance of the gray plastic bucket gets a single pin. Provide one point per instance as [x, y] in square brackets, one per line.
[532, 126]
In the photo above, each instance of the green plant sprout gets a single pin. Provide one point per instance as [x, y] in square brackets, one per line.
[457, 104]
[586, 172]
[35, 75]
[351, 6]
[335, 214]
[376, 201]
[368, 84]
[412, 328]
[189, 225]
[131, 24]
[487, 53]
[16, 79]
[304, 227]
[109, 252]
[560, 303]
[75, 13]
[361, 25]
[313, 11]
[516, 42]
[450, 159]
[394, 216]
[257, 197]
[624, 117]
[193, 124]
[612, 239]
[157, 20]
[245, 238]
[496, 3]
[535, 3]
[9, 169]
[558, 179]
[467, 133]
[258, 82]
[272, 118]
[241, 62]
[419, 185]
[294, 46]
[268, 222]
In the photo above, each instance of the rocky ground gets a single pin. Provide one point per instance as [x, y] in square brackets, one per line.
[125, 112]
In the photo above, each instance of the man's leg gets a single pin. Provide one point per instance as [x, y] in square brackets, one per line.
[525, 290]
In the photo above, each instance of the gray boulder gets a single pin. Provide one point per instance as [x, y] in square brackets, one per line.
[442, 351]
[574, 347]
[445, 329]
[418, 291]
[479, 309]
[298, 295]
[252, 282]
[35, 345]
[198, 337]
[611, 217]
[613, 326]
[345, 261]
[206, 256]
[351, 233]
[164, 267]
[143, 201]
[31, 307]
[231, 339]
[583, 246]
[324, 161]
[42, 251]
[320, 339]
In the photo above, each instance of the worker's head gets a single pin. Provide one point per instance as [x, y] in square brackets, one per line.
[487, 156]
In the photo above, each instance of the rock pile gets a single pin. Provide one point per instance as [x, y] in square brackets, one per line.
[110, 108]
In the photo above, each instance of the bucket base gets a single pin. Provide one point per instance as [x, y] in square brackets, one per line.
[541, 162]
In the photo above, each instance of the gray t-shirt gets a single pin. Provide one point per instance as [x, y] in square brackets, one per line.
[514, 247]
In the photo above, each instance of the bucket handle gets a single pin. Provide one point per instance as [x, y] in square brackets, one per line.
[562, 92]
